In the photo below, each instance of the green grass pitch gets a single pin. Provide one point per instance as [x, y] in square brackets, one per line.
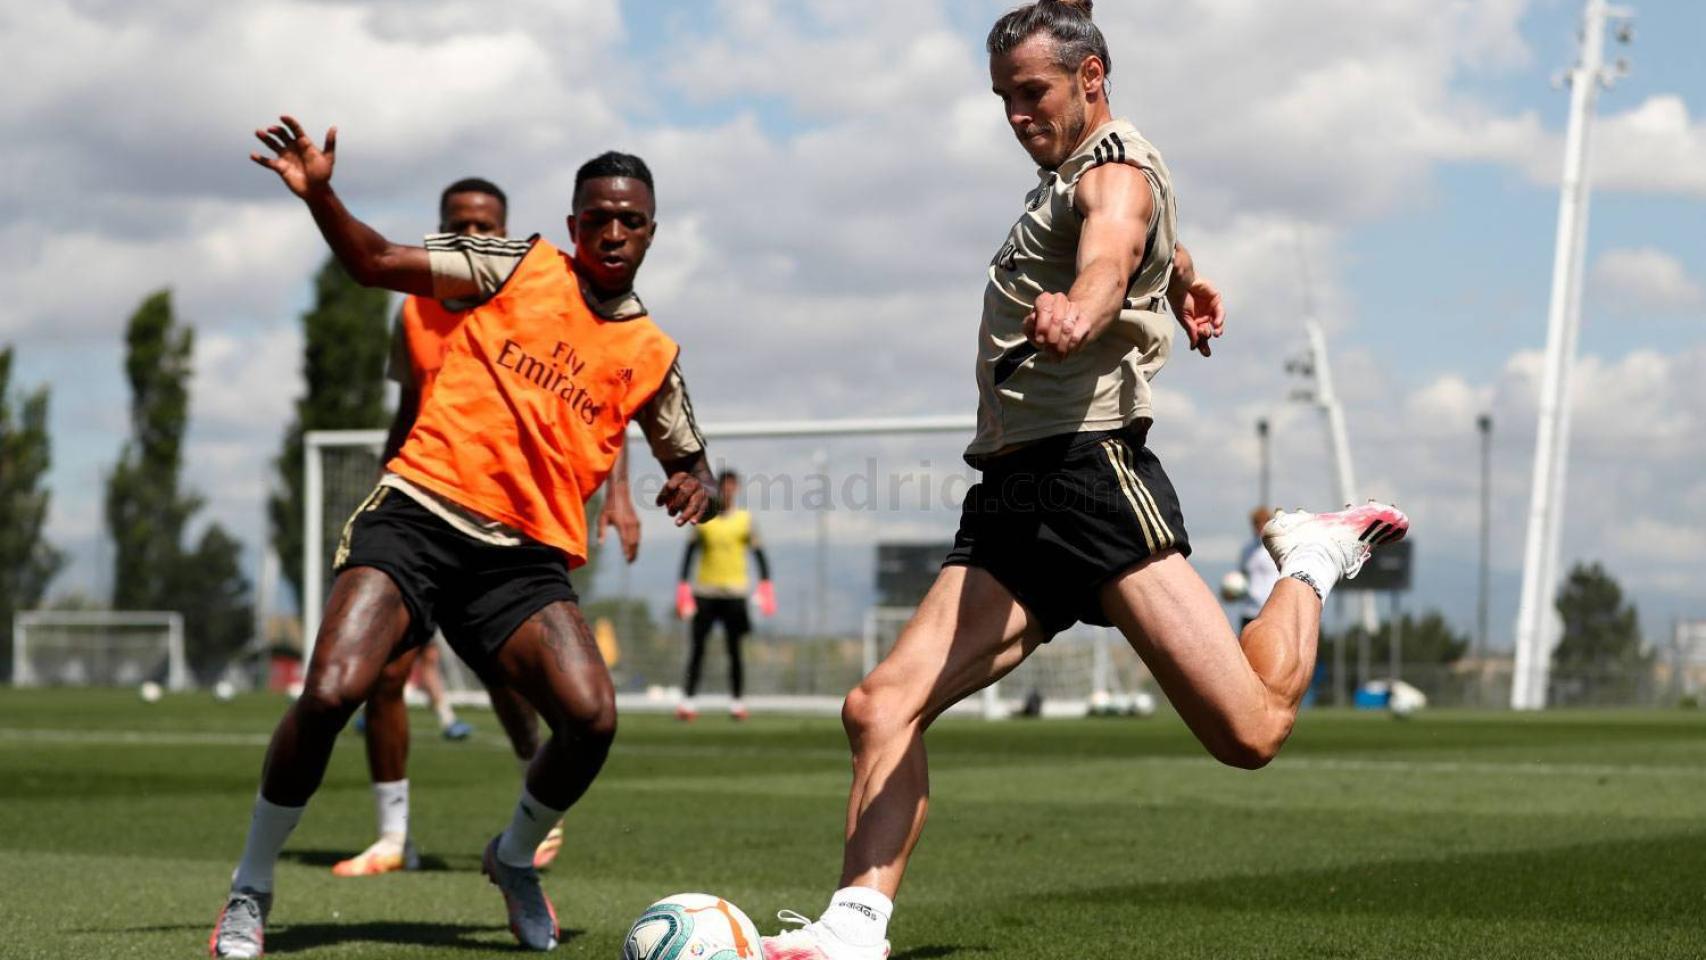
[1450, 835]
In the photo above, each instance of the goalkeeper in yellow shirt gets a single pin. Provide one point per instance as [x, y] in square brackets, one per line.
[719, 593]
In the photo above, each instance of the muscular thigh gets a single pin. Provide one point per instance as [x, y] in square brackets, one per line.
[553, 661]
[968, 633]
[1175, 624]
[366, 624]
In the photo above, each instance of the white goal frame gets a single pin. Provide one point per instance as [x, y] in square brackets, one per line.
[177, 666]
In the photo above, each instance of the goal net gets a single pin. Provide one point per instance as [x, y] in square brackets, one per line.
[828, 498]
[117, 648]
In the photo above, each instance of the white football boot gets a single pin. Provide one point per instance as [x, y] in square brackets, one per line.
[240, 930]
[814, 941]
[1348, 537]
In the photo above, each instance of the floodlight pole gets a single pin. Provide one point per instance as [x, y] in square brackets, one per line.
[1536, 625]
[1484, 423]
[1344, 473]
[1264, 489]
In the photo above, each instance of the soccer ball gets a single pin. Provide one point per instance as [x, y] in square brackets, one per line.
[1405, 700]
[224, 690]
[151, 692]
[1234, 586]
[692, 926]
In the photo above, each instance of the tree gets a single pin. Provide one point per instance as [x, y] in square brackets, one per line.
[1600, 653]
[1427, 639]
[147, 511]
[344, 349]
[213, 595]
[27, 562]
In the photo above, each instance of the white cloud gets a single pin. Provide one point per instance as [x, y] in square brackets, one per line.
[1655, 147]
[1647, 279]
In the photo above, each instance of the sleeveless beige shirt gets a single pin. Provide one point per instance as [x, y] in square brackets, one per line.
[1024, 396]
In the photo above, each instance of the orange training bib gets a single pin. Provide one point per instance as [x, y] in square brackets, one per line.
[527, 412]
[427, 327]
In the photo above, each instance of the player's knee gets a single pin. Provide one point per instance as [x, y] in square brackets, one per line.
[872, 710]
[330, 699]
[1250, 746]
[591, 720]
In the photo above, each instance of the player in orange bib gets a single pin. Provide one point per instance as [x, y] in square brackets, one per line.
[471, 207]
[481, 514]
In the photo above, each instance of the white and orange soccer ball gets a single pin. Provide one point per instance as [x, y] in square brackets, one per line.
[692, 926]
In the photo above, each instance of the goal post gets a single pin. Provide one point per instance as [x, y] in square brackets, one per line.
[331, 492]
[99, 648]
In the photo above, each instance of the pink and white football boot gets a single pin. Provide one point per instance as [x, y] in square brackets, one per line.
[814, 941]
[1346, 537]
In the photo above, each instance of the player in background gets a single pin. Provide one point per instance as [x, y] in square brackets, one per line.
[1073, 518]
[1261, 574]
[471, 207]
[718, 594]
[480, 516]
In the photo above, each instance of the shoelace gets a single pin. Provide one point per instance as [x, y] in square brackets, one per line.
[1363, 552]
[789, 916]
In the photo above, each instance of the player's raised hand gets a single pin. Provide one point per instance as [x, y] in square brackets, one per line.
[303, 166]
[685, 497]
[1055, 325]
[1202, 312]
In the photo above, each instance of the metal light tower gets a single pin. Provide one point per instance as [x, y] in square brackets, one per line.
[1536, 626]
[1264, 486]
[1315, 368]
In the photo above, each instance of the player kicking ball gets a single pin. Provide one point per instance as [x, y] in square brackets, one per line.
[1074, 518]
[481, 514]
[471, 207]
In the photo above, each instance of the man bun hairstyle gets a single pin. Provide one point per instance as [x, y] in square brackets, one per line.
[472, 185]
[614, 164]
[1068, 22]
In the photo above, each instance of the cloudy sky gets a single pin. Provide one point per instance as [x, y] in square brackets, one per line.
[833, 178]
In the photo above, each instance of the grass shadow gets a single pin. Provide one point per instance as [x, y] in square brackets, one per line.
[936, 951]
[457, 936]
[430, 862]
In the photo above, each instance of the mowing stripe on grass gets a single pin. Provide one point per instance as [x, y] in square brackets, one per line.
[186, 738]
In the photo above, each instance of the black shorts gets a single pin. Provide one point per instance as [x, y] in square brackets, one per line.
[1056, 520]
[477, 593]
[729, 611]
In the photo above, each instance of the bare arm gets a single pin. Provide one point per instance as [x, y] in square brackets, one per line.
[1117, 204]
[618, 508]
[307, 170]
[408, 408]
[1195, 301]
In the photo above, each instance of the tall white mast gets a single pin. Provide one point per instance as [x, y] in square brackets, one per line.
[1537, 623]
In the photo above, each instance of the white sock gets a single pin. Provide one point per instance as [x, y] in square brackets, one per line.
[859, 916]
[392, 801]
[269, 826]
[446, 715]
[1312, 564]
[527, 830]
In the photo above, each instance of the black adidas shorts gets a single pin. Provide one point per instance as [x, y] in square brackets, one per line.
[477, 593]
[1056, 520]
